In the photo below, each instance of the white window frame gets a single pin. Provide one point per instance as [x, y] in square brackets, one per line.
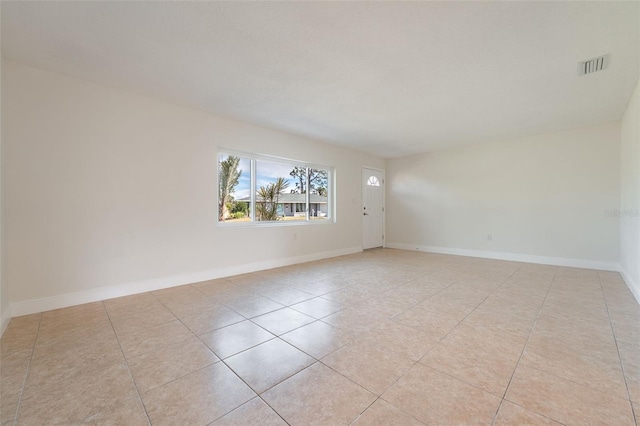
[263, 157]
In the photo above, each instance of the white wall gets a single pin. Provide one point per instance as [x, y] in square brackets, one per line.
[542, 198]
[630, 194]
[107, 188]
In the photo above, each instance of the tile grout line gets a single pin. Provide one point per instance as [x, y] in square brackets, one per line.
[243, 404]
[274, 410]
[221, 360]
[570, 381]
[615, 339]
[415, 362]
[470, 312]
[449, 332]
[198, 338]
[250, 319]
[365, 409]
[315, 360]
[453, 328]
[26, 375]
[126, 362]
[396, 380]
[379, 398]
[259, 394]
[533, 326]
[320, 297]
[319, 360]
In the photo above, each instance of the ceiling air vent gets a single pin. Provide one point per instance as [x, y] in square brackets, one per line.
[593, 65]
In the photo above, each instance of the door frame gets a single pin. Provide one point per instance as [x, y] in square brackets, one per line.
[384, 204]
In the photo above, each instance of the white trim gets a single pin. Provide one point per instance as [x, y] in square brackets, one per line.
[64, 300]
[516, 257]
[633, 286]
[4, 321]
[272, 158]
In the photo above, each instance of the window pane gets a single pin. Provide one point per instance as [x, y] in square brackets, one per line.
[298, 176]
[296, 198]
[373, 181]
[234, 188]
[319, 194]
[279, 188]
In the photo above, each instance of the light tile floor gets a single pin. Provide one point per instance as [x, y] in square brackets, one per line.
[379, 338]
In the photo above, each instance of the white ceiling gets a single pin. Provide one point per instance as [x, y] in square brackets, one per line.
[390, 78]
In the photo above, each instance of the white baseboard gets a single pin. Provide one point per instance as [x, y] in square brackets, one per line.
[64, 300]
[545, 260]
[633, 286]
[4, 320]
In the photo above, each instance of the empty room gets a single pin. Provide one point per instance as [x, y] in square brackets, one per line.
[320, 213]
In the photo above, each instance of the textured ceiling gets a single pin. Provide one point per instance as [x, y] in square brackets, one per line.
[390, 78]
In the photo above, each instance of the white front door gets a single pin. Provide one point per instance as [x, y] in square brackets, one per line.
[372, 208]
